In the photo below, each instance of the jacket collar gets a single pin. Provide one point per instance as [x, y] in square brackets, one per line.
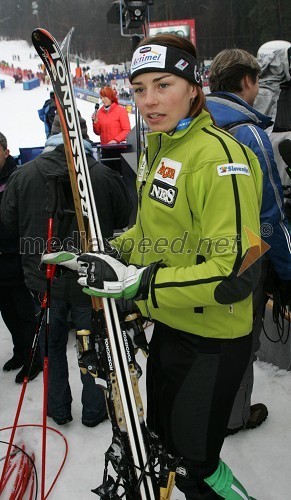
[156, 139]
[110, 108]
[228, 108]
[9, 167]
[55, 140]
[201, 121]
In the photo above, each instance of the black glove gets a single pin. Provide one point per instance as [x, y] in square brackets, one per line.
[104, 276]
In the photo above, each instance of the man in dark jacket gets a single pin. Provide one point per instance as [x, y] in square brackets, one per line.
[25, 208]
[234, 84]
[16, 302]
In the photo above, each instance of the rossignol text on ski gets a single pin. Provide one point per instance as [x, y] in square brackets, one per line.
[138, 459]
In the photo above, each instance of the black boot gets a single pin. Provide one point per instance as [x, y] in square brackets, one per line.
[13, 364]
[258, 415]
[61, 420]
[36, 368]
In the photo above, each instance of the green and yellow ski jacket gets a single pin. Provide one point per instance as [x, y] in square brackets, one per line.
[199, 200]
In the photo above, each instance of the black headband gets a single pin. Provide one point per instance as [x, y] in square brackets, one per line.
[166, 59]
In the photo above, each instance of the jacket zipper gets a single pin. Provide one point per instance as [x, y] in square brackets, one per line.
[140, 199]
[140, 191]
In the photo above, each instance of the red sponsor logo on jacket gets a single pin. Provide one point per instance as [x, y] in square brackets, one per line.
[166, 172]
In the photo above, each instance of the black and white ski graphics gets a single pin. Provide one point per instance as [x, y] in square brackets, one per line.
[56, 61]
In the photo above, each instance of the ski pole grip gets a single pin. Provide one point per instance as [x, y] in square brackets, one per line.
[52, 198]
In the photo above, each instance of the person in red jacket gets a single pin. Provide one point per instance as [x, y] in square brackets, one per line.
[112, 124]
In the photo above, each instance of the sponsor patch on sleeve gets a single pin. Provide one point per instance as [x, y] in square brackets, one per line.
[233, 169]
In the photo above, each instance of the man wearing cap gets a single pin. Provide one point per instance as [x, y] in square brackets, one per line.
[25, 210]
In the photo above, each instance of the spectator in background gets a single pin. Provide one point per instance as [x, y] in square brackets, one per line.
[234, 84]
[112, 125]
[25, 210]
[47, 113]
[16, 302]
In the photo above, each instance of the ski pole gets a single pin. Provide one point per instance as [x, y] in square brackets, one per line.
[24, 386]
[50, 208]
[22, 394]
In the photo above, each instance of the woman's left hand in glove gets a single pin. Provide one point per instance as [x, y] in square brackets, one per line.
[105, 276]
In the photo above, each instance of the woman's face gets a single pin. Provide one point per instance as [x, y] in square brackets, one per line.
[106, 101]
[163, 99]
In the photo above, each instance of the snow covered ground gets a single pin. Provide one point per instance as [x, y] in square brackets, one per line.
[19, 120]
[259, 458]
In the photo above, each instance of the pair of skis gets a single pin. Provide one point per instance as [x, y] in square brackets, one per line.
[134, 452]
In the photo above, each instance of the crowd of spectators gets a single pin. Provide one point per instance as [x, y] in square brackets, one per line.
[20, 74]
[115, 78]
[85, 78]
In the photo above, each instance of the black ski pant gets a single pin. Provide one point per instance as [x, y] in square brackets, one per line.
[59, 391]
[191, 385]
[18, 313]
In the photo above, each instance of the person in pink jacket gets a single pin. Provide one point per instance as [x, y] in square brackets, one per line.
[112, 125]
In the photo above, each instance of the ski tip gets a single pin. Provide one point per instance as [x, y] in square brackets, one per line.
[37, 32]
[35, 35]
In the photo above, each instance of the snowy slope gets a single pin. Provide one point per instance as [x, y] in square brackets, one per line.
[19, 120]
[260, 458]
